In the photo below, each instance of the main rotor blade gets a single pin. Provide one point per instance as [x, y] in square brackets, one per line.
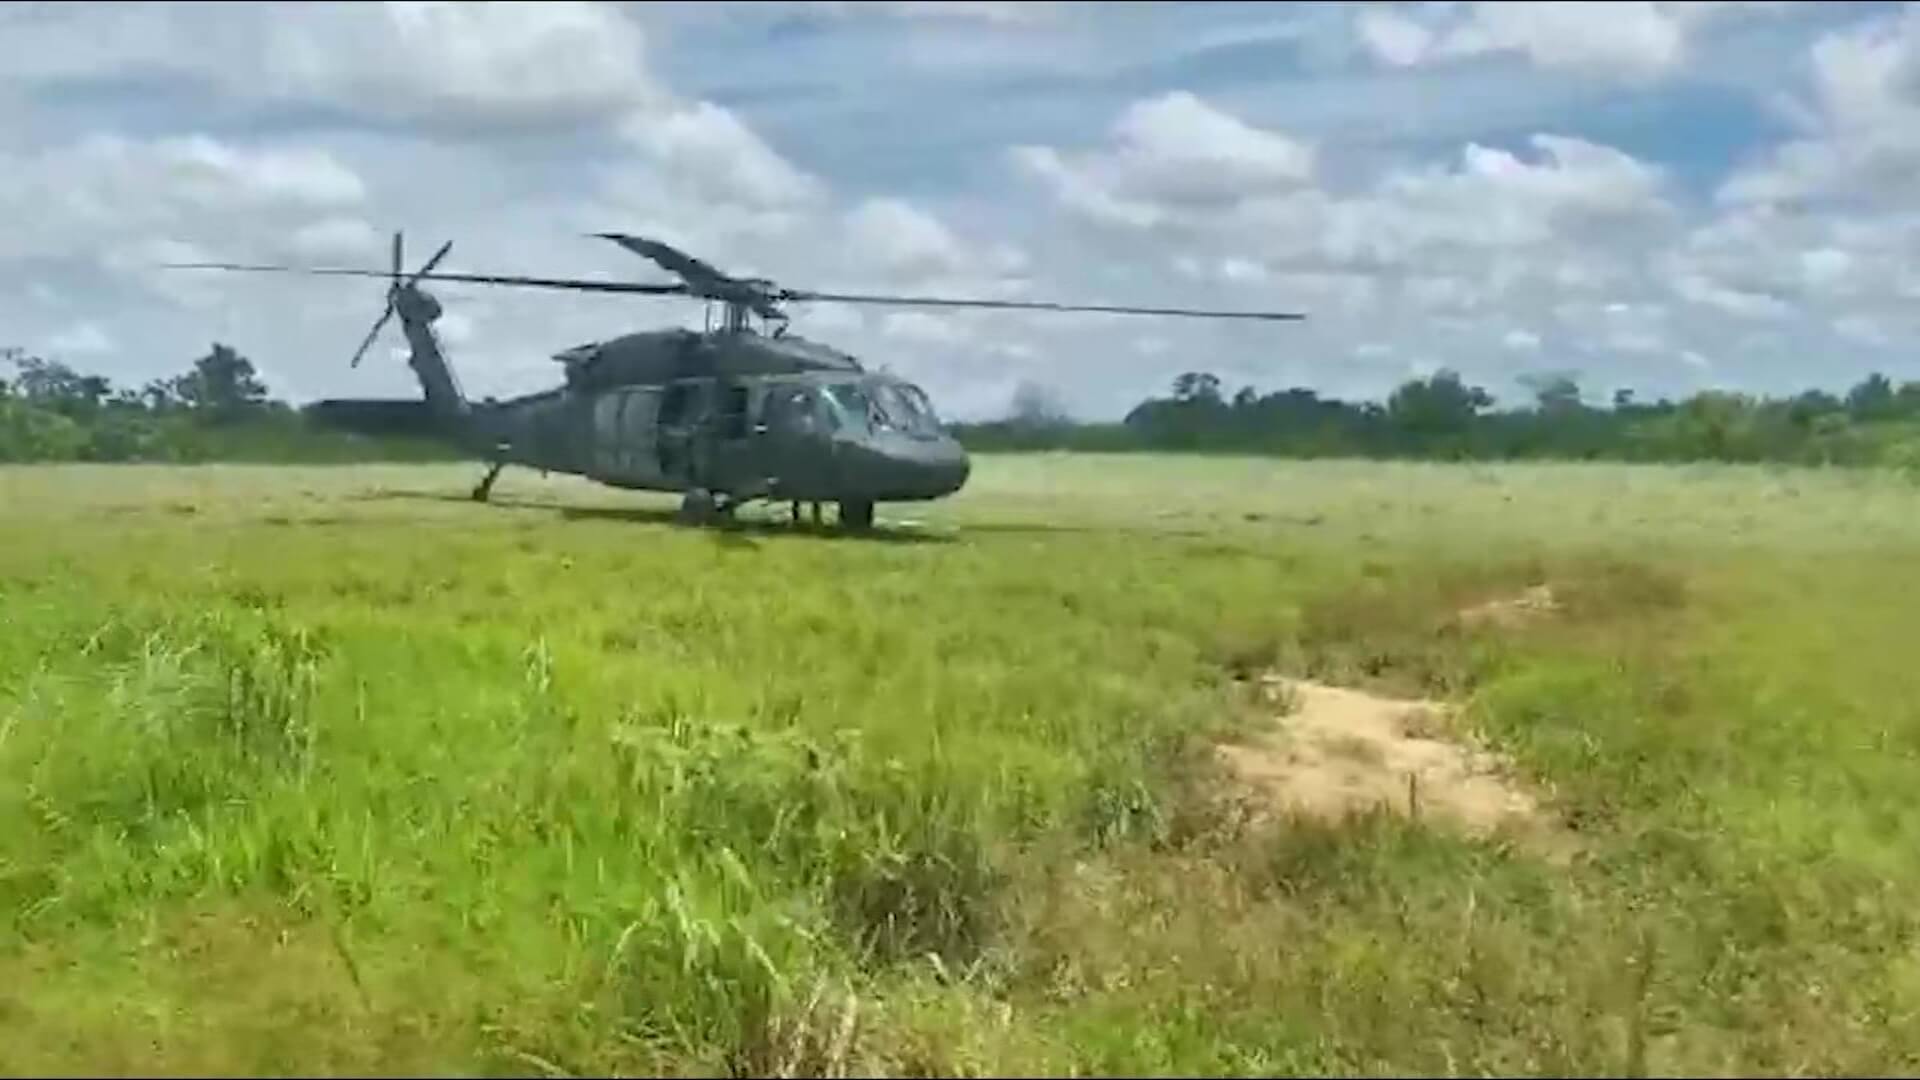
[1036, 305]
[574, 284]
[702, 278]
[396, 255]
[367, 342]
[669, 258]
[433, 262]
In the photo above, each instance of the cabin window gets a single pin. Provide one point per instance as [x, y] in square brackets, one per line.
[733, 413]
[790, 410]
[673, 405]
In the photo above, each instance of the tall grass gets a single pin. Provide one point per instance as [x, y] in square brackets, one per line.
[317, 770]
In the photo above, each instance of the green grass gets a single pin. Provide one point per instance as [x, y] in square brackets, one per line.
[329, 770]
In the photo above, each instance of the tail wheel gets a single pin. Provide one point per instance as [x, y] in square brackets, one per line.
[698, 507]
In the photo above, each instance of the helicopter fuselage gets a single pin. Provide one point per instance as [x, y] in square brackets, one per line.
[734, 414]
[723, 416]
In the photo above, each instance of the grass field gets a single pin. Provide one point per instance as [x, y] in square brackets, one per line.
[329, 770]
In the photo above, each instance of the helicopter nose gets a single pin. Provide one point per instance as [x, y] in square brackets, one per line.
[947, 471]
[923, 470]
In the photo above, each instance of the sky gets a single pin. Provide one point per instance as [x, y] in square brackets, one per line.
[1663, 196]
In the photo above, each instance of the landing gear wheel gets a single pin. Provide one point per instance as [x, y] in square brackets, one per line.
[697, 507]
[856, 515]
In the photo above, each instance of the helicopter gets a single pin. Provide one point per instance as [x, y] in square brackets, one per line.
[722, 417]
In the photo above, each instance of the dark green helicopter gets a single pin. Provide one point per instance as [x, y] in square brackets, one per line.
[722, 417]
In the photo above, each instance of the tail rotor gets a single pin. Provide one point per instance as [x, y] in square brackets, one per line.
[393, 291]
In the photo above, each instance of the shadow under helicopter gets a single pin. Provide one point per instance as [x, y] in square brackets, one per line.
[738, 530]
[741, 528]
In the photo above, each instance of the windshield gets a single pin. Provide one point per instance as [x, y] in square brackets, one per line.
[883, 406]
[852, 409]
[909, 404]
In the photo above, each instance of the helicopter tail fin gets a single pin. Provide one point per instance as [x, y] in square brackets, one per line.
[418, 310]
[437, 380]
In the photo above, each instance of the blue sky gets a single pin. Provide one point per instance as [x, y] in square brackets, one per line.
[1667, 196]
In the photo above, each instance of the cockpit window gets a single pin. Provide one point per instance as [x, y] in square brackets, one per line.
[883, 406]
[910, 402]
[852, 409]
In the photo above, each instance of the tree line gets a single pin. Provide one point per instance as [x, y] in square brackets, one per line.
[1443, 417]
[219, 409]
[216, 410]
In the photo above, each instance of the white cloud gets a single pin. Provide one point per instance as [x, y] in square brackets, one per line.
[85, 339]
[1633, 40]
[1172, 155]
[1465, 231]
[1392, 38]
[211, 175]
[710, 153]
[1496, 199]
[1862, 329]
[1179, 148]
[1625, 37]
[451, 66]
[1865, 114]
[455, 328]
[900, 240]
[993, 11]
[1633, 341]
[457, 63]
[920, 328]
[341, 238]
[1846, 269]
[1241, 270]
[113, 193]
[1867, 77]
[1444, 202]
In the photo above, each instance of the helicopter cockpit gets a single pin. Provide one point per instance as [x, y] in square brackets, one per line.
[883, 405]
[881, 432]
[858, 405]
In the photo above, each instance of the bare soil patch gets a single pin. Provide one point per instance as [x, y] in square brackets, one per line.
[1511, 612]
[1336, 752]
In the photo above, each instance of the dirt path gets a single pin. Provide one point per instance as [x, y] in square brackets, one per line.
[1336, 752]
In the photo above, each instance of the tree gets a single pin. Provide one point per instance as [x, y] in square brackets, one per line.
[1554, 392]
[1807, 408]
[1197, 386]
[1438, 405]
[1872, 398]
[54, 385]
[221, 385]
[1245, 398]
[1035, 406]
[1907, 399]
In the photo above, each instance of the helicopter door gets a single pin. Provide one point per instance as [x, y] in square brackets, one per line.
[790, 439]
[682, 408]
[732, 446]
[607, 431]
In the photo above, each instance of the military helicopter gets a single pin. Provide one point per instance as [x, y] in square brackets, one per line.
[722, 417]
